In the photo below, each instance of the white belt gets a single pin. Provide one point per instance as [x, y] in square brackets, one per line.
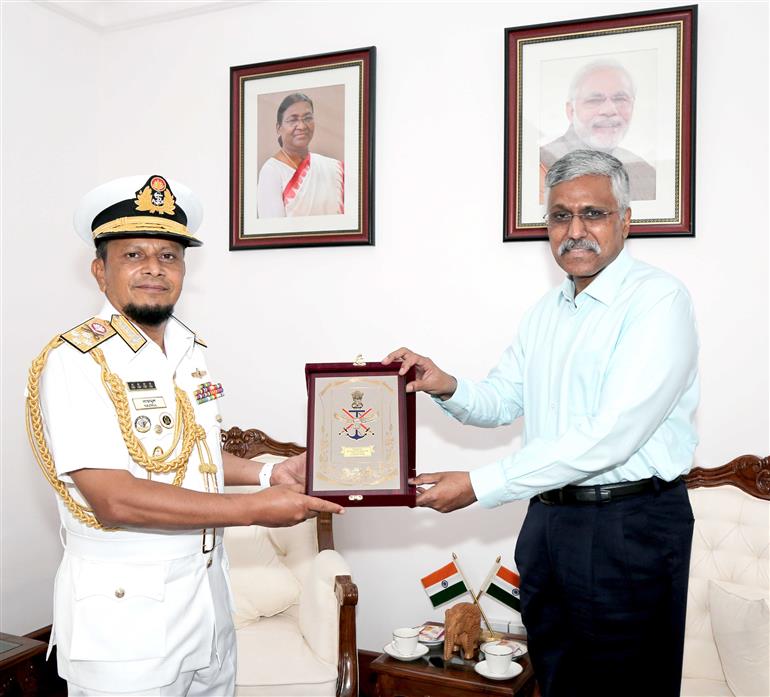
[139, 547]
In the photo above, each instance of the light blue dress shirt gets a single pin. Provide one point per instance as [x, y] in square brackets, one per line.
[607, 382]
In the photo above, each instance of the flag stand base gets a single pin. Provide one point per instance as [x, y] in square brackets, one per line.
[486, 635]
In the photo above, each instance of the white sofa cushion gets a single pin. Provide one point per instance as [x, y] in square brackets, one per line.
[740, 620]
[730, 543]
[275, 661]
[262, 586]
[318, 607]
[700, 687]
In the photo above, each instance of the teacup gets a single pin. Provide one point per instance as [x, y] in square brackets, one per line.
[405, 640]
[498, 657]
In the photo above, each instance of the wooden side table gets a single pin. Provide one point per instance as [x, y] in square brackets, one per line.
[22, 670]
[430, 676]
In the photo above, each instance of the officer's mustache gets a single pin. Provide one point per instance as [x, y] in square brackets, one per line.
[569, 244]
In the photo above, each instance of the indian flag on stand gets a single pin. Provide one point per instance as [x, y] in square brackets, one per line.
[444, 585]
[503, 585]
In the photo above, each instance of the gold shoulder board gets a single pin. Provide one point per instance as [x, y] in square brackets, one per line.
[128, 332]
[89, 335]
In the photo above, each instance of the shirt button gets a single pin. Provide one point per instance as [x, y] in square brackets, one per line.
[219, 418]
[119, 592]
[158, 429]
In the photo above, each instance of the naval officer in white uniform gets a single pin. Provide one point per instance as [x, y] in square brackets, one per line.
[124, 421]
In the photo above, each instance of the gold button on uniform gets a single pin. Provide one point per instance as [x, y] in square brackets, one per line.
[219, 418]
[158, 429]
[119, 592]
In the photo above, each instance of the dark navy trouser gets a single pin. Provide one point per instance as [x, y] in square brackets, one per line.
[604, 594]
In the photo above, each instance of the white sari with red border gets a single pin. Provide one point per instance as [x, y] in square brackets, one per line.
[316, 187]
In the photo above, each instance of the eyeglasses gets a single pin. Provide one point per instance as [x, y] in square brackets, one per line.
[592, 218]
[294, 120]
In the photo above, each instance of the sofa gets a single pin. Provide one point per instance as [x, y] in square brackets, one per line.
[293, 596]
[726, 635]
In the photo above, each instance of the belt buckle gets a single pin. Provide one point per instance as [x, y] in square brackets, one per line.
[593, 494]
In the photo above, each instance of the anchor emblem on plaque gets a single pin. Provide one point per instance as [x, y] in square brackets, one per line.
[356, 420]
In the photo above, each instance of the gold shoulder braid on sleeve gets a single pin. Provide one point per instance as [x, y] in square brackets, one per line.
[186, 429]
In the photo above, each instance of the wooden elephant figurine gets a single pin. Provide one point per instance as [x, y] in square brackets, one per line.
[462, 624]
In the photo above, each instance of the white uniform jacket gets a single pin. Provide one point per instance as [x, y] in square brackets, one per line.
[133, 607]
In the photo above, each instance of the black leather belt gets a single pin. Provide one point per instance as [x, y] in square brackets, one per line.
[601, 493]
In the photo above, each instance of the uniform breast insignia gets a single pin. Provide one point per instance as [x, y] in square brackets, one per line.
[198, 374]
[166, 420]
[208, 391]
[128, 332]
[142, 424]
[88, 335]
[141, 385]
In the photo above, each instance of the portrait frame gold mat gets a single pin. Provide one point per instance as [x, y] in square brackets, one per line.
[624, 84]
[360, 434]
[310, 184]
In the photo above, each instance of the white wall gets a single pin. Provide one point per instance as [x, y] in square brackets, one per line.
[50, 104]
[439, 279]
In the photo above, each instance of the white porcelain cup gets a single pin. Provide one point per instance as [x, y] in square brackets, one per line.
[498, 658]
[405, 640]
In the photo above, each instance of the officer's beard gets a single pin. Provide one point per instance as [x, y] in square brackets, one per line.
[148, 315]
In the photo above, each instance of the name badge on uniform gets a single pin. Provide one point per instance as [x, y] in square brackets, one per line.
[149, 403]
[208, 391]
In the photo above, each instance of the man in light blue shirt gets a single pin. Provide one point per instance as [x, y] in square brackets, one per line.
[604, 370]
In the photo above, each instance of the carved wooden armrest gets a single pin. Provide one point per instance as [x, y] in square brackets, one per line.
[748, 472]
[253, 442]
[347, 661]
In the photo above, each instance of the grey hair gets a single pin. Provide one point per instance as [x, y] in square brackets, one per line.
[581, 163]
[602, 64]
[101, 248]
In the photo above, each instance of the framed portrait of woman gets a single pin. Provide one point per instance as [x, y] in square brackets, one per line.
[302, 151]
[621, 84]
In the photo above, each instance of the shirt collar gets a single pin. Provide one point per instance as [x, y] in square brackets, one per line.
[606, 285]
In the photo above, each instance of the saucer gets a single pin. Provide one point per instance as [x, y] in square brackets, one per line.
[519, 649]
[431, 643]
[513, 670]
[418, 652]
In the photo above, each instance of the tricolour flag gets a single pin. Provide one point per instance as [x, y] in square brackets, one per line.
[504, 586]
[444, 585]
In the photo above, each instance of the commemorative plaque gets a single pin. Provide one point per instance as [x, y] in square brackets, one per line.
[360, 434]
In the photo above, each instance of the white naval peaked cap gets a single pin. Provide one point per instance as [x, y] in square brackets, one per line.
[140, 206]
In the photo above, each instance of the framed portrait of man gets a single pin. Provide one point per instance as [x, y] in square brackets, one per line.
[360, 434]
[302, 151]
[622, 84]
